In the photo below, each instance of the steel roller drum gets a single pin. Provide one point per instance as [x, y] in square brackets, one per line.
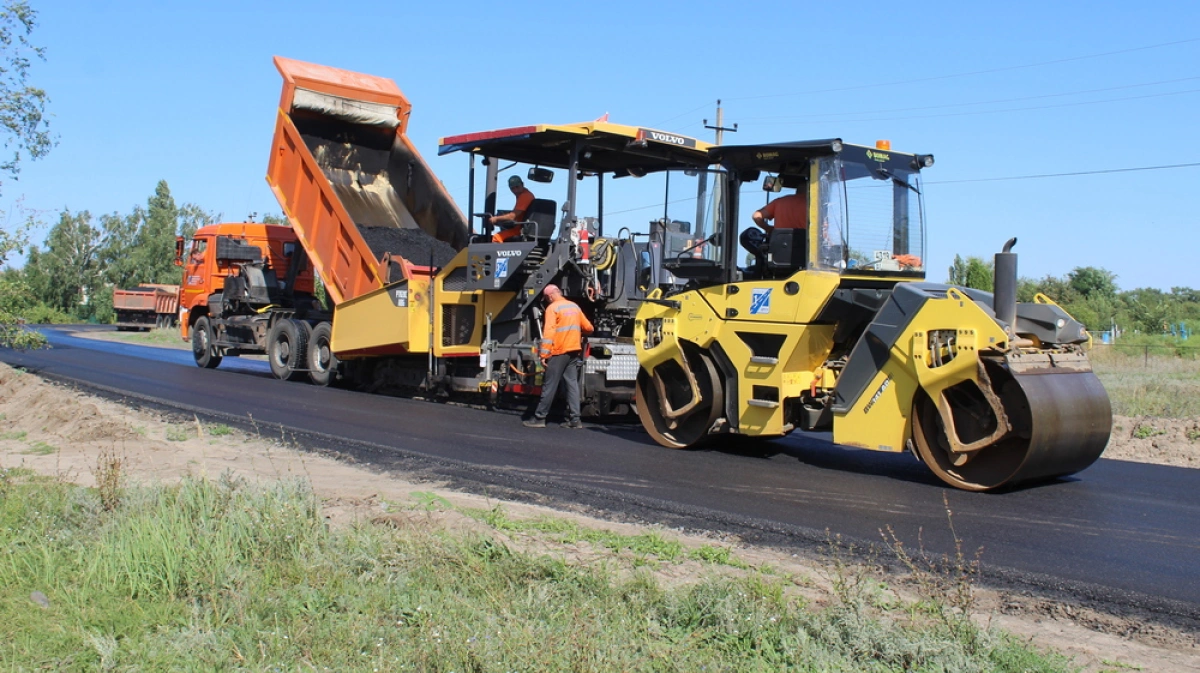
[1061, 422]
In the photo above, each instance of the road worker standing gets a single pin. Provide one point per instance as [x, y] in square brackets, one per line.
[561, 351]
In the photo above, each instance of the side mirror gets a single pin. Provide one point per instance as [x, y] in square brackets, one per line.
[772, 184]
[178, 251]
[543, 175]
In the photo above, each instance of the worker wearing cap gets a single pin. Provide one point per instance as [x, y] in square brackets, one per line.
[787, 212]
[561, 350]
[517, 214]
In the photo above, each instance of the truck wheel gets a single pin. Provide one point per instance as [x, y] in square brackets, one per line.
[322, 363]
[203, 350]
[286, 344]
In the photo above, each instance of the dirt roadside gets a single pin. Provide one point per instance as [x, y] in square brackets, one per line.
[58, 431]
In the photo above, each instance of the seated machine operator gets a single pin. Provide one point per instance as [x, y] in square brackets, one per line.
[787, 212]
[519, 213]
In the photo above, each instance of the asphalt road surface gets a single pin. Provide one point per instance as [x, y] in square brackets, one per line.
[1118, 533]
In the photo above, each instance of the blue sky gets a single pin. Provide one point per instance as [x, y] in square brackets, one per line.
[186, 92]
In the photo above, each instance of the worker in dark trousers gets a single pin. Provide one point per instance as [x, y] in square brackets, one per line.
[561, 351]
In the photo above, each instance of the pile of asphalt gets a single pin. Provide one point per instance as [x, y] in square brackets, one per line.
[412, 244]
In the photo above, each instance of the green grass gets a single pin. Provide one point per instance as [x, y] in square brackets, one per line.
[178, 433]
[1146, 431]
[18, 435]
[219, 430]
[40, 449]
[215, 575]
[1162, 385]
[154, 337]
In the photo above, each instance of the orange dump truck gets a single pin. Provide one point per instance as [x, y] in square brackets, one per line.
[145, 306]
[364, 209]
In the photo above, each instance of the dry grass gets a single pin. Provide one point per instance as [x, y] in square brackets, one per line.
[1155, 386]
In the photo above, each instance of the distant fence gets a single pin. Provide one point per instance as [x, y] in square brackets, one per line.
[1147, 350]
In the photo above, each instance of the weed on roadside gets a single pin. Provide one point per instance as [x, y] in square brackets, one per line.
[219, 430]
[110, 478]
[40, 449]
[945, 582]
[431, 502]
[18, 435]
[1146, 431]
[177, 433]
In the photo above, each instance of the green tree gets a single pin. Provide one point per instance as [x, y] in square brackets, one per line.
[1090, 281]
[22, 106]
[1058, 289]
[120, 239]
[1027, 289]
[154, 246]
[15, 295]
[192, 217]
[68, 271]
[971, 272]
[271, 218]
[24, 131]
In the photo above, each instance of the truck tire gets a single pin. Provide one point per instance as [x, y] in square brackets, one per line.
[322, 363]
[286, 345]
[203, 350]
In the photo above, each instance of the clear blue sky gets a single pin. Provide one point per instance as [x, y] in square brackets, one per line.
[142, 91]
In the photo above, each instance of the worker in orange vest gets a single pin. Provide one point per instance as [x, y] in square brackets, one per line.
[507, 221]
[561, 351]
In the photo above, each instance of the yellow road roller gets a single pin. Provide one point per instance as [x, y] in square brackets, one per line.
[807, 310]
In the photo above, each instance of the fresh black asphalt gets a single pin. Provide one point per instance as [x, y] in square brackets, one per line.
[1119, 534]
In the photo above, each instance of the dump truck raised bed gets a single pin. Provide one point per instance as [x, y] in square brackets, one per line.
[359, 200]
[147, 306]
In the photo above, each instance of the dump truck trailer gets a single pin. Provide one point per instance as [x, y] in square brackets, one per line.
[147, 306]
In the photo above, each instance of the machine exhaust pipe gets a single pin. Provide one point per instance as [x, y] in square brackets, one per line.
[1004, 285]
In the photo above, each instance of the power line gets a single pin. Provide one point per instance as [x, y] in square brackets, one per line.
[973, 72]
[986, 102]
[986, 112]
[1062, 175]
[745, 190]
[695, 109]
[940, 77]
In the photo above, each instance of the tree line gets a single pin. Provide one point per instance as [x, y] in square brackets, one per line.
[84, 258]
[1091, 296]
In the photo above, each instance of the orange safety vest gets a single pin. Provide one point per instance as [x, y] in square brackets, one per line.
[564, 329]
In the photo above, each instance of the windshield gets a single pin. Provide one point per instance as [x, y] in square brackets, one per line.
[692, 215]
[871, 218]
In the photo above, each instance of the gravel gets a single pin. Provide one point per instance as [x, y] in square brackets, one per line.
[413, 245]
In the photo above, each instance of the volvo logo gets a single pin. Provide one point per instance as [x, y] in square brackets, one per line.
[667, 138]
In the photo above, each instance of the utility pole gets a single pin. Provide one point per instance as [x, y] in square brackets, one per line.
[720, 128]
[702, 187]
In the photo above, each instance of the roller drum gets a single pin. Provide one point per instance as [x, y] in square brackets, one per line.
[1061, 422]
